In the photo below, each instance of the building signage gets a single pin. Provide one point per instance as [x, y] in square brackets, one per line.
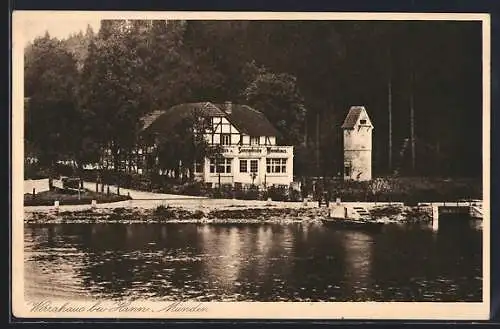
[250, 149]
[276, 150]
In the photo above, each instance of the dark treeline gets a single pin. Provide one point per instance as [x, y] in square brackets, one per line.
[89, 91]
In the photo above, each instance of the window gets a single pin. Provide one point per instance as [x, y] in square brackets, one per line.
[222, 166]
[347, 170]
[276, 166]
[362, 121]
[243, 166]
[198, 167]
[254, 166]
[254, 140]
[225, 139]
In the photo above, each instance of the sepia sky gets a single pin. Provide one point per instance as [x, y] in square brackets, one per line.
[57, 27]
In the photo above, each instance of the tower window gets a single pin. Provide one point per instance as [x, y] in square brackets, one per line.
[362, 121]
[347, 170]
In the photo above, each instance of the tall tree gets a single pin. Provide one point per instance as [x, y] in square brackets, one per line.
[50, 85]
[169, 68]
[113, 92]
[278, 96]
[219, 55]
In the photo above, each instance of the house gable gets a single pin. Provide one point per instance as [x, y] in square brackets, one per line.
[222, 129]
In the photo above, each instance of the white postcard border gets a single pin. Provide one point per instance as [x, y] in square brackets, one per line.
[242, 310]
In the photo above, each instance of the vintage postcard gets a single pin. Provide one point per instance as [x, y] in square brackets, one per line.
[194, 165]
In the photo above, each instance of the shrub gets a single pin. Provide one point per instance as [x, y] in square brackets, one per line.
[251, 193]
[198, 214]
[61, 169]
[162, 210]
[278, 193]
[193, 188]
[223, 192]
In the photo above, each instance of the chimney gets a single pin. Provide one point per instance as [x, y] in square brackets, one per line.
[228, 107]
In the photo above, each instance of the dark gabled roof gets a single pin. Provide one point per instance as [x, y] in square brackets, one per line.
[353, 116]
[148, 119]
[162, 120]
[246, 119]
[250, 121]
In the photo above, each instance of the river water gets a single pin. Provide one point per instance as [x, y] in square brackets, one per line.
[264, 262]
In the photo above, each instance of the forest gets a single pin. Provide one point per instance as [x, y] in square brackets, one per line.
[420, 81]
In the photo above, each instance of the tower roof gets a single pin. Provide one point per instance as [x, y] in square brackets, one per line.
[352, 118]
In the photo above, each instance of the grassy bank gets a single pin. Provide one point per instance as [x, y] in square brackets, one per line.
[70, 197]
[407, 189]
[166, 214]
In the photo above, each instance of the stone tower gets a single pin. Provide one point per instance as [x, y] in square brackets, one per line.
[357, 129]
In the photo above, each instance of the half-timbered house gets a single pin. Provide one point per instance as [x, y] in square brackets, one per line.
[249, 156]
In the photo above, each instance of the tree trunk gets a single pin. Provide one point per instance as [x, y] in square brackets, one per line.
[101, 179]
[130, 156]
[389, 91]
[80, 173]
[116, 160]
[438, 160]
[305, 132]
[51, 175]
[412, 108]
[317, 145]
[412, 126]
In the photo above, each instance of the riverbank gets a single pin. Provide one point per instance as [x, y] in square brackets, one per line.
[248, 215]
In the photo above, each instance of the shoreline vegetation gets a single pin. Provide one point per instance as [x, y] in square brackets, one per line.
[395, 213]
[381, 189]
[40, 208]
[70, 197]
[408, 190]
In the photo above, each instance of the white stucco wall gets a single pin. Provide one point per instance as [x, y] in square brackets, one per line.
[358, 152]
[262, 176]
[361, 164]
[40, 185]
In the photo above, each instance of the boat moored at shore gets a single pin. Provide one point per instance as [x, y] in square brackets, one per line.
[342, 217]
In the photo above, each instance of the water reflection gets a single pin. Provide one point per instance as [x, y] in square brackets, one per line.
[61, 279]
[221, 247]
[297, 262]
[358, 249]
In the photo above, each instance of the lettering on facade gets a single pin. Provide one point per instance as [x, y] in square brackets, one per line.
[276, 150]
[250, 149]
